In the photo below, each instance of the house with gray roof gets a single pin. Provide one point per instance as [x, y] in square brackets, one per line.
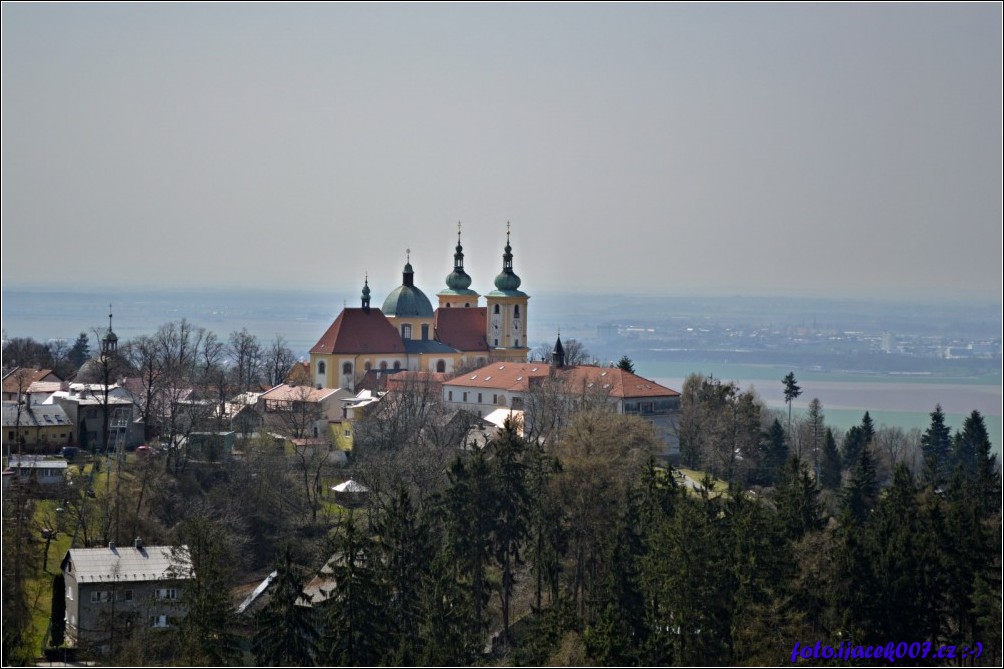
[113, 589]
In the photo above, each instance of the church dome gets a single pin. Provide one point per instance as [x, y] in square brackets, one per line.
[407, 300]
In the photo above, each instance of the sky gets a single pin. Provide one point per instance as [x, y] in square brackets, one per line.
[832, 150]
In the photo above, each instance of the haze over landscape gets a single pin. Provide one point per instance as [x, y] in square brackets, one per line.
[848, 150]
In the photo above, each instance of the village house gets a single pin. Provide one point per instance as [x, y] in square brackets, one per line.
[112, 589]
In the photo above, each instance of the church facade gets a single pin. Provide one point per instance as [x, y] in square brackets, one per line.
[406, 333]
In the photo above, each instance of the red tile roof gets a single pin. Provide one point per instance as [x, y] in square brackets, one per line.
[518, 376]
[360, 331]
[462, 328]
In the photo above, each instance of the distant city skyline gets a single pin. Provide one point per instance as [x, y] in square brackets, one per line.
[831, 150]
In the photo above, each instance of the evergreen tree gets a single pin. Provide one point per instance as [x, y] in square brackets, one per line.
[57, 620]
[862, 488]
[817, 425]
[936, 446]
[406, 553]
[509, 531]
[974, 454]
[354, 627]
[80, 352]
[626, 364]
[774, 454]
[796, 498]
[791, 393]
[449, 631]
[285, 635]
[468, 507]
[207, 633]
[829, 470]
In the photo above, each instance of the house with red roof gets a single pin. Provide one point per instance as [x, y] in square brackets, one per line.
[512, 385]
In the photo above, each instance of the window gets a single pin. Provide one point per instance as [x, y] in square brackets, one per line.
[441, 366]
[479, 398]
[167, 593]
[449, 396]
[128, 595]
[158, 621]
[347, 368]
[368, 365]
[447, 305]
[465, 396]
[496, 309]
[517, 341]
[397, 365]
[495, 398]
[406, 331]
[425, 332]
[348, 433]
[321, 367]
[515, 311]
[496, 342]
[383, 364]
[69, 592]
[95, 597]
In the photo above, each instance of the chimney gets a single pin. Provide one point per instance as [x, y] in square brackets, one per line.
[138, 543]
[111, 545]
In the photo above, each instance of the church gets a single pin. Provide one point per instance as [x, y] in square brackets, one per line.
[406, 333]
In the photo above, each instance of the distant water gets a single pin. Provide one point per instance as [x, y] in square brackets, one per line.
[301, 317]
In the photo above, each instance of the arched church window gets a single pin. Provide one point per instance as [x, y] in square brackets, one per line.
[496, 309]
[397, 365]
[383, 364]
[441, 366]
[515, 311]
[321, 367]
[347, 368]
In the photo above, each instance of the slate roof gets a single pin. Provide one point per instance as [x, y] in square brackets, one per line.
[462, 328]
[34, 415]
[124, 564]
[358, 330]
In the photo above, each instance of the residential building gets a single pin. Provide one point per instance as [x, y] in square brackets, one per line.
[111, 590]
[37, 428]
[302, 411]
[19, 380]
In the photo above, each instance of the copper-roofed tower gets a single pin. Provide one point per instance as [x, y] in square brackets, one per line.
[366, 294]
[458, 291]
[507, 307]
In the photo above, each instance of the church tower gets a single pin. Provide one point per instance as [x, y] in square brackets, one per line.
[507, 313]
[458, 291]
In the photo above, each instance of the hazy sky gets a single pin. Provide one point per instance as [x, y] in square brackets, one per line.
[687, 149]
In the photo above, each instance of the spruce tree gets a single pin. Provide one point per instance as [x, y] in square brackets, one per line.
[829, 470]
[354, 626]
[626, 364]
[861, 490]
[936, 446]
[284, 631]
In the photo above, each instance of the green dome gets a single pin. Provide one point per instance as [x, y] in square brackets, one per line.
[407, 300]
[507, 280]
